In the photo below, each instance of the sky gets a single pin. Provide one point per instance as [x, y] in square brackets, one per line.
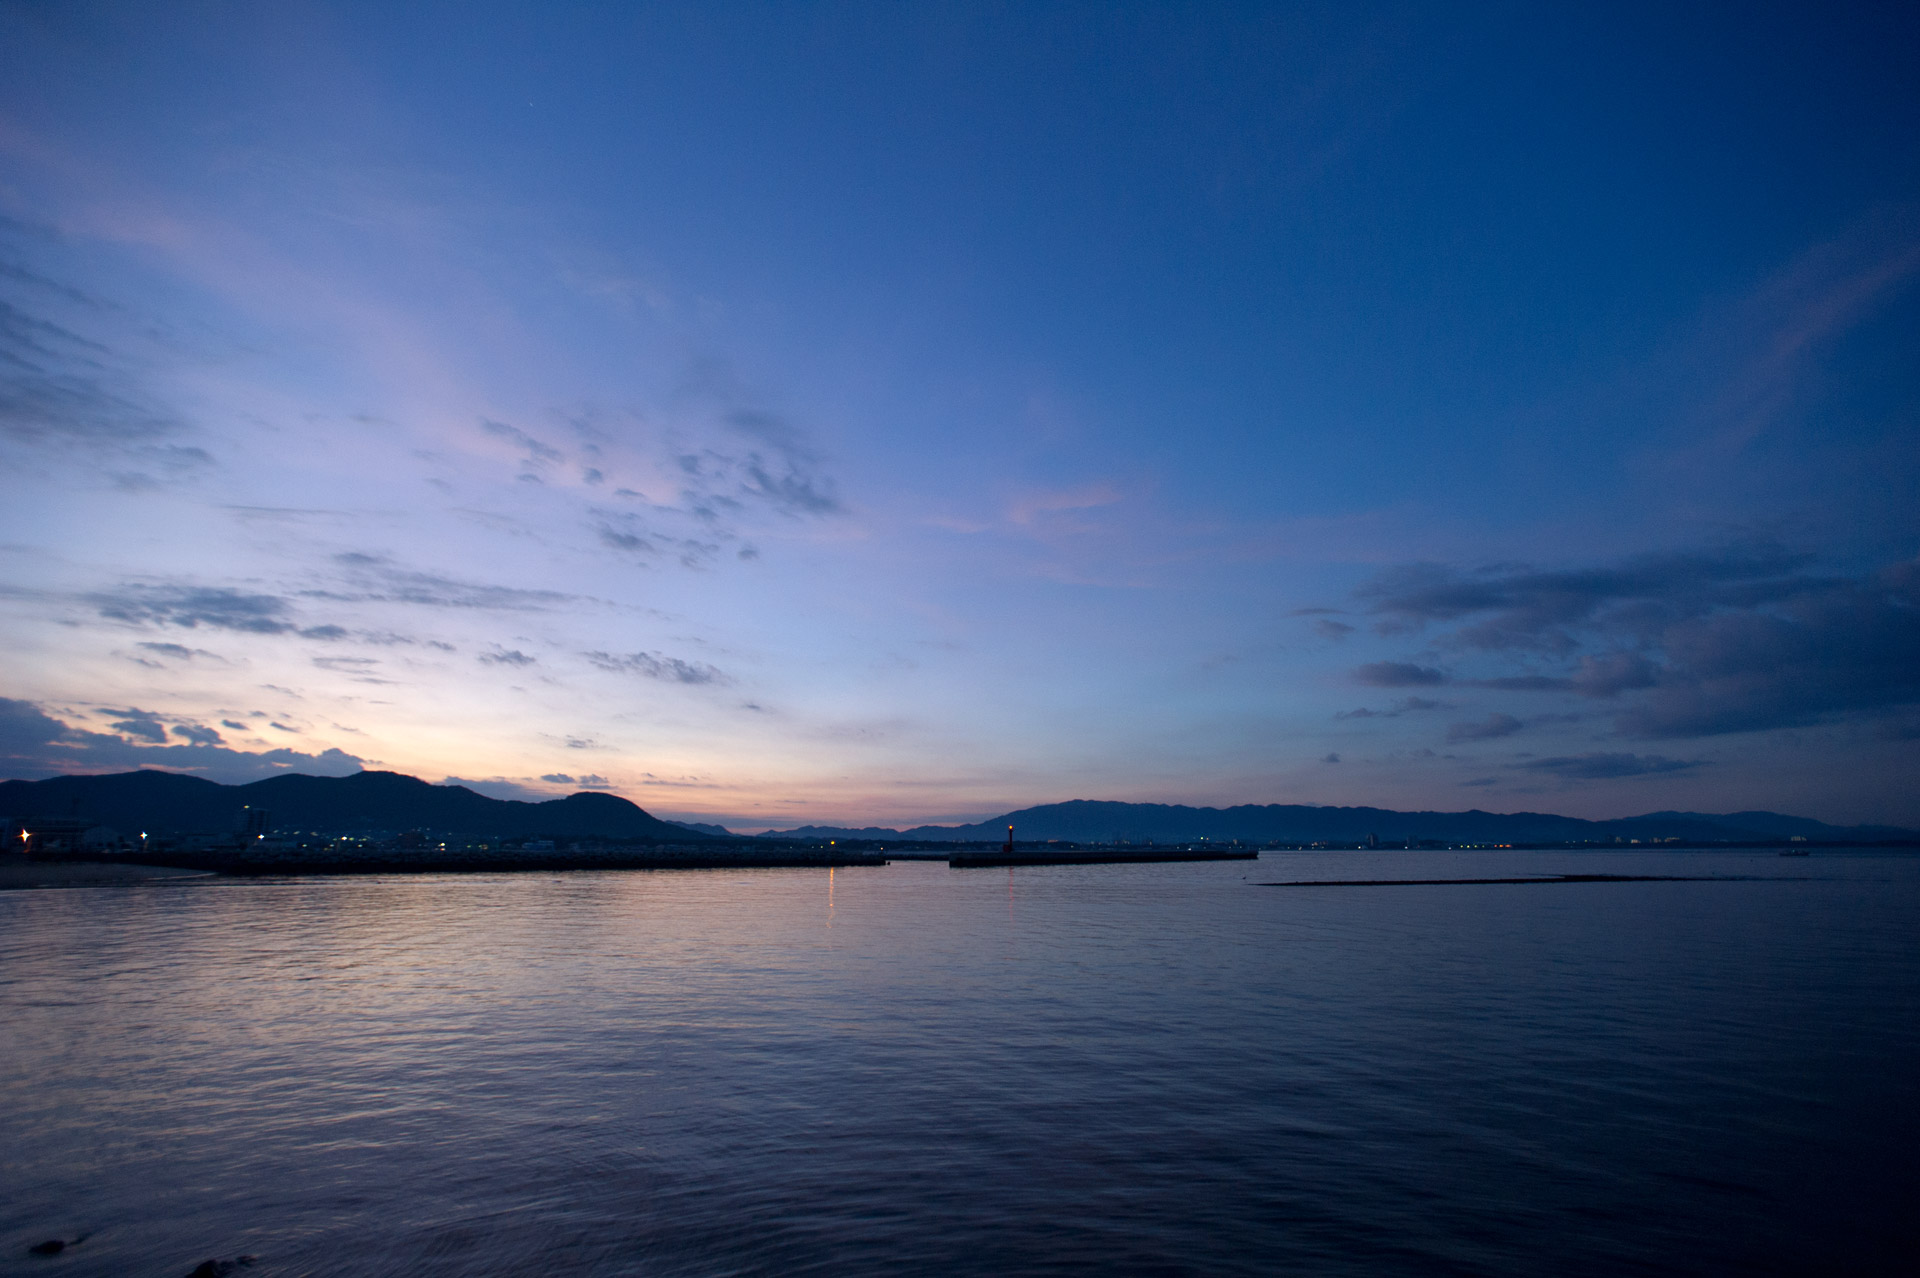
[901, 413]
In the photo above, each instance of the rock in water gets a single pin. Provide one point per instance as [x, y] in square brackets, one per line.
[51, 1247]
[212, 1269]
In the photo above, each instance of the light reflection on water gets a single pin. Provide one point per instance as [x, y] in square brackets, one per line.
[1126, 1068]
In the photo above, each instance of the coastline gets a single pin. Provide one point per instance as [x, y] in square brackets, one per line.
[26, 876]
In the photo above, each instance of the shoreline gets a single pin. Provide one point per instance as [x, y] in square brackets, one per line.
[28, 876]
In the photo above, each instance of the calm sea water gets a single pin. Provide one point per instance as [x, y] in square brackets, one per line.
[1124, 1069]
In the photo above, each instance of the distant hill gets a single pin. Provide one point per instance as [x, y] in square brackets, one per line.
[168, 803]
[702, 827]
[1087, 821]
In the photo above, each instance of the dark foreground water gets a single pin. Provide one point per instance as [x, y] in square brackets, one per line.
[1125, 1069]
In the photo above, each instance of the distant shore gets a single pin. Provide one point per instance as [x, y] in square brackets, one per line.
[21, 875]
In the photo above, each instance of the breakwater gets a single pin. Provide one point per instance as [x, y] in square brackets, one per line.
[1096, 856]
[378, 859]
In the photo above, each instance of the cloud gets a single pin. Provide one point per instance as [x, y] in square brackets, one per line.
[1491, 728]
[179, 651]
[625, 531]
[58, 387]
[656, 665]
[778, 468]
[500, 788]
[1327, 628]
[377, 579]
[507, 657]
[1028, 507]
[722, 462]
[1607, 675]
[1397, 674]
[1514, 607]
[616, 539]
[74, 396]
[1781, 327]
[139, 723]
[222, 608]
[1330, 758]
[358, 669]
[1691, 645]
[558, 778]
[1406, 705]
[197, 734]
[218, 608]
[35, 744]
[1600, 767]
[538, 453]
[743, 456]
[1851, 651]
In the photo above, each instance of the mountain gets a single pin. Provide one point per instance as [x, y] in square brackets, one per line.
[1088, 821]
[702, 827]
[167, 803]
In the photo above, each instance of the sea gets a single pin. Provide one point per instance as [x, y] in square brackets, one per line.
[1125, 1069]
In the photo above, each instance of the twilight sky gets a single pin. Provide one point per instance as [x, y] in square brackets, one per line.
[895, 413]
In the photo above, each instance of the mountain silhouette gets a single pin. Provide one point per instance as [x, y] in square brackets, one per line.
[168, 803]
[1091, 821]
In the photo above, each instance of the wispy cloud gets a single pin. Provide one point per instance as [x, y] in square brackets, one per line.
[1491, 728]
[1769, 343]
[177, 651]
[372, 578]
[1398, 674]
[535, 452]
[1601, 767]
[654, 665]
[216, 607]
[59, 387]
[75, 380]
[1406, 705]
[1030, 506]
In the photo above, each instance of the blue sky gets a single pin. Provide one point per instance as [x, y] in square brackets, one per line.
[905, 413]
